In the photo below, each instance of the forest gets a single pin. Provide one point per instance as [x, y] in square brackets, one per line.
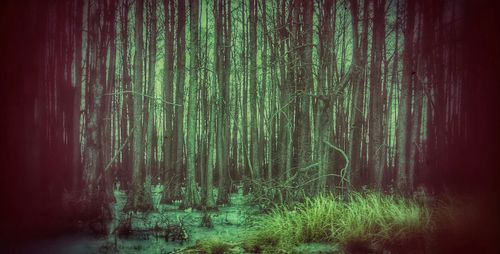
[252, 126]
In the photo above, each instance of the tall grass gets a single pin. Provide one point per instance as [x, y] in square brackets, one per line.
[364, 221]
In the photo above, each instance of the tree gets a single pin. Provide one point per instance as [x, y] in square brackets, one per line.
[76, 152]
[404, 108]
[376, 138]
[254, 152]
[168, 88]
[135, 198]
[323, 101]
[264, 84]
[127, 106]
[358, 83]
[191, 196]
[178, 154]
[223, 69]
[286, 79]
[304, 86]
[149, 107]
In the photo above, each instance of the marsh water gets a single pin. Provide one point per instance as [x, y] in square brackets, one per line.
[230, 223]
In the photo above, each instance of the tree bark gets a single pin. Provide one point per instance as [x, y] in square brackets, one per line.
[150, 108]
[254, 152]
[76, 153]
[404, 108]
[358, 83]
[191, 197]
[178, 130]
[376, 138]
[137, 143]
[168, 89]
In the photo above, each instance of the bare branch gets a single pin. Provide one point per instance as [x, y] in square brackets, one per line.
[144, 95]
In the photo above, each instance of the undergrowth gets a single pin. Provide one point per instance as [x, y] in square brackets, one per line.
[369, 223]
[366, 222]
[212, 246]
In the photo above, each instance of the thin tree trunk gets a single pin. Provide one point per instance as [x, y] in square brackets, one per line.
[254, 152]
[150, 108]
[168, 89]
[262, 140]
[376, 139]
[191, 196]
[137, 143]
[126, 99]
[76, 153]
[359, 61]
[178, 129]
[404, 108]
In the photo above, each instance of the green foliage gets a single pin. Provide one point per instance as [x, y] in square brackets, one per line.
[364, 221]
[382, 220]
[210, 246]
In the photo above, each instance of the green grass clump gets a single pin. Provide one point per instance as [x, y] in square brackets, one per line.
[362, 222]
[210, 246]
[384, 221]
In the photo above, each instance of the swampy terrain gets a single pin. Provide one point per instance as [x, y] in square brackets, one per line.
[251, 126]
[363, 223]
[191, 231]
[139, 232]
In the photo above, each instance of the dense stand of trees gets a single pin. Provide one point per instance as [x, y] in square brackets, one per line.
[328, 95]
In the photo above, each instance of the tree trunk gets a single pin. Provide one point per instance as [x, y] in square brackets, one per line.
[376, 139]
[358, 83]
[150, 108]
[191, 196]
[254, 152]
[262, 140]
[127, 107]
[178, 129]
[404, 108]
[168, 88]
[137, 142]
[76, 153]
[223, 68]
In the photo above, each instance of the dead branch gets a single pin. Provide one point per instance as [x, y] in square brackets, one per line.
[144, 95]
[343, 170]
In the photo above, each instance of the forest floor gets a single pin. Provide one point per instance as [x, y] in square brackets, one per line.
[366, 223]
[231, 224]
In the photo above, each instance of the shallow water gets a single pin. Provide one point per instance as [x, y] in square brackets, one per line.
[230, 223]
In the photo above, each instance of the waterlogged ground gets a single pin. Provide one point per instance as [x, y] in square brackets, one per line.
[393, 226]
[230, 223]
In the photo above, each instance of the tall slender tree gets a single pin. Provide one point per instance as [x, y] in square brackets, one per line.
[178, 155]
[376, 138]
[358, 86]
[169, 143]
[137, 143]
[404, 108]
[223, 69]
[191, 196]
[150, 106]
